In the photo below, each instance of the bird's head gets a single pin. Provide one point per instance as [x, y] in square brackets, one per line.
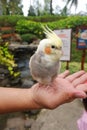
[52, 45]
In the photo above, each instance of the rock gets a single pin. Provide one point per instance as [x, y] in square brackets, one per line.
[15, 123]
[22, 54]
[25, 73]
[15, 81]
[4, 82]
[2, 76]
[62, 118]
[34, 112]
[26, 83]
[36, 42]
[3, 70]
[16, 46]
[28, 123]
[25, 43]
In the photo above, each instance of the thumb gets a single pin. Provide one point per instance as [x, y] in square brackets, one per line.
[80, 94]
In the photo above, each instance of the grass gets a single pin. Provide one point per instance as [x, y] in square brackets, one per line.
[75, 63]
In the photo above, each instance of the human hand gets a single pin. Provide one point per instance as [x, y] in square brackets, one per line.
[65, 88]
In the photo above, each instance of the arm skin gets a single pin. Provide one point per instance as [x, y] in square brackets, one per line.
[65, 88]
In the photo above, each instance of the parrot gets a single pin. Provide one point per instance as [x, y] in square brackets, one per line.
[45, 63]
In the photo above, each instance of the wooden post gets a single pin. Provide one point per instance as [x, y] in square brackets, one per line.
[83, 59]
[67, 65]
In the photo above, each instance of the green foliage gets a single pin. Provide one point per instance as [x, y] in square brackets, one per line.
[6, 20]
[11, 7]
[6, 31]
[11, 21]
[54, 21]
[69, 22]
[32, 25]
[26, 26]
[46, 18]
[28, 37]
[31, 11]
[75, 63]
[7, 59]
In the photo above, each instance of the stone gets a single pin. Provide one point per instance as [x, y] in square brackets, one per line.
[4, 82]
[22, 54]
[34, 112]
[2, 76]
[26, 83]
[3, 70]
[25, 73]
[28, 123]
[15, 123]
[62, 118]
[15, 81]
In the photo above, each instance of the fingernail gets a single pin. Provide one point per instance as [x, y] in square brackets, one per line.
[80, 95]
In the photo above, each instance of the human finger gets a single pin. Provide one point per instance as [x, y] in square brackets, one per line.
[82, 87]
[80, 94]
[80, 80]
[75, 75]
[64, 74]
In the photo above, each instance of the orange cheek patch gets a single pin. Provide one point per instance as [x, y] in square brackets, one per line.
[47, 50]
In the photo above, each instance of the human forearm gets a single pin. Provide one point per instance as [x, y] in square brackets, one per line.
[63, 89]
[14, 99]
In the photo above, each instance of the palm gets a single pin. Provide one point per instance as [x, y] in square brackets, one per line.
[62, 90]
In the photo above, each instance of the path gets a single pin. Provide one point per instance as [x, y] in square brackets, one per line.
[62, 118]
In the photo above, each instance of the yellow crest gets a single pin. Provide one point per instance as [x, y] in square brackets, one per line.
[51, 35]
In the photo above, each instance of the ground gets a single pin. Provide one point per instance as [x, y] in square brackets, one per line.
[62, 118]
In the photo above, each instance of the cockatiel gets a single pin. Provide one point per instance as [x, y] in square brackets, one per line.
[45, 62]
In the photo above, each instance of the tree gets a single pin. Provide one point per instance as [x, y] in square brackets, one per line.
[31, 11]
[65, 11]
[15, 7]
[72, 2]
[51, 7]
[12, 7]
[4, 6]
[0, 8]
[57, 10]
[36, 8]
[46, 6]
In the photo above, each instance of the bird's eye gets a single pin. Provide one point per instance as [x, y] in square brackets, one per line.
[60, 47]
[53, 46]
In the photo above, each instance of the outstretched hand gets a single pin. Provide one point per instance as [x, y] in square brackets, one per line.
[65, 88]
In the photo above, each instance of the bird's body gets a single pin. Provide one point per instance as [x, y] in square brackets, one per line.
[45, 63]
[43, 69]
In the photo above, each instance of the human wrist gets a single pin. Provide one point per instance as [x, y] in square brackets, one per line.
[32, 101]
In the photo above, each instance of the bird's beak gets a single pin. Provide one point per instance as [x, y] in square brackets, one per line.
[48, 50]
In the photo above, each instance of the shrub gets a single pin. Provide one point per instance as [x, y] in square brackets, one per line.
[26, 26]
[28, 37]
[46, 18]
[69, 22]
[11, 21]
[7, 59]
